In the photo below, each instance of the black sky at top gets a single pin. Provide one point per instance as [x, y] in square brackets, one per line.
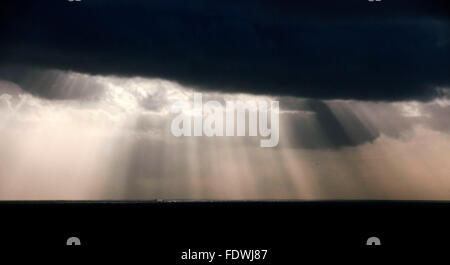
[389, 50]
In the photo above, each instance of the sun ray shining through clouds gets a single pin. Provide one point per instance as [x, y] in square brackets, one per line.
[114, 142]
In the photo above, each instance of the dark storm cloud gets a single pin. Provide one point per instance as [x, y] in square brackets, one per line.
[334, 124]
[317, 49]
[316, 126]
[52, 84]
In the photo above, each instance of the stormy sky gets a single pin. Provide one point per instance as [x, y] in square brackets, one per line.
[86, 90]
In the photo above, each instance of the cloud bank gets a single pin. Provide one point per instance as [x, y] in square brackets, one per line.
[348, 50]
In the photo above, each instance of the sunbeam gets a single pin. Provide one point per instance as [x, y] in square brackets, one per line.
[114, 142]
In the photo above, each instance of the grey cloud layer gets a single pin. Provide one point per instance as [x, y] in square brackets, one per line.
[307, 123]
[322, 50]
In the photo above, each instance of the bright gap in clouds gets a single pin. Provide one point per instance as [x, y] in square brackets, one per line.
[105, 137]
